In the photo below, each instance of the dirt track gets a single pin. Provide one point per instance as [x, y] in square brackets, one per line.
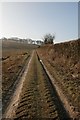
[38, 98]
[35, 95]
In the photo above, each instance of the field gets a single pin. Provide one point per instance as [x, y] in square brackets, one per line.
[14, 58]
[39, 97]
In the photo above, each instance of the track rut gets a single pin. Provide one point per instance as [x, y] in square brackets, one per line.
[39, 98]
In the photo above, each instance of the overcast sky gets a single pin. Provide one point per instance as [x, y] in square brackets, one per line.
[34, 20]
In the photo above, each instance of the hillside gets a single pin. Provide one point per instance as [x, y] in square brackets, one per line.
[62, 61]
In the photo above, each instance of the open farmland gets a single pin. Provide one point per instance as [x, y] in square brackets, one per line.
[49, 85]
[14, 58]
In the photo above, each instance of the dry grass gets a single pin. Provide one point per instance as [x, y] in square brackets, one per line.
[62, 60]
[14, 58]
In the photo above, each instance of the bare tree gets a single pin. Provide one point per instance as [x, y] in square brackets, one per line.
[48, 38]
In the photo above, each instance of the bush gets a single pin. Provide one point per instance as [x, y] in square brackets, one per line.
[48, 39]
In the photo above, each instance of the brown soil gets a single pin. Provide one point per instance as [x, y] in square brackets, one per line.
[38, 98]
[43, 96]
[10, 110]
[62, 61]
[14, 58]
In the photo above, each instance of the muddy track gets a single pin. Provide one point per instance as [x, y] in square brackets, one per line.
[39, 98]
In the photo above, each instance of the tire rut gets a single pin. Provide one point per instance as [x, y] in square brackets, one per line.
[9, 93]
[38, 98]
